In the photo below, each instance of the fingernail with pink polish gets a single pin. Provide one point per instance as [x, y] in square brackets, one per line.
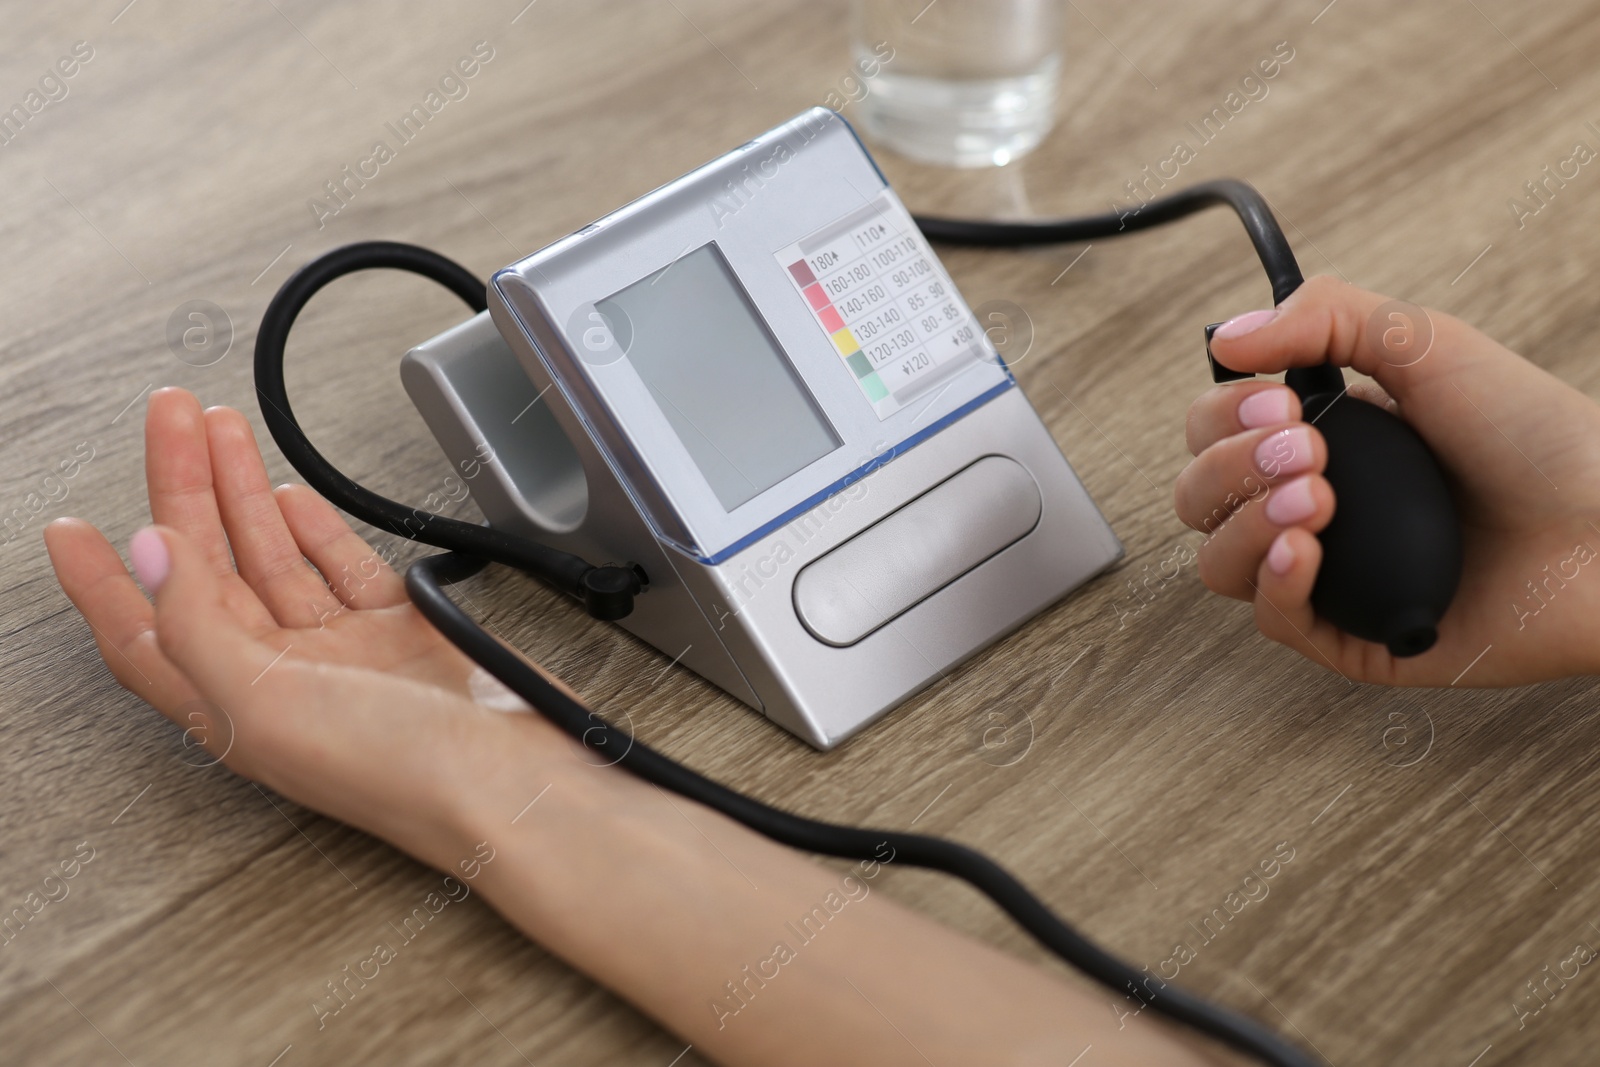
[150, 559]
[1280, 557]
[1291, 502]
[1264, 408]
[1285, 452]
[1249, 322]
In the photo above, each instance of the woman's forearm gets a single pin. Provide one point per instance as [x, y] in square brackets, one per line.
[758, 955]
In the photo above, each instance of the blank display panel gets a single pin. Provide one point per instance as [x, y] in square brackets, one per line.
[724, 385]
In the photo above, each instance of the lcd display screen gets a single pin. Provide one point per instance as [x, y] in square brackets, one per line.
[717, 374]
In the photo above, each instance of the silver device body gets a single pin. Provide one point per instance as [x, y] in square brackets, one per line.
[928, 511]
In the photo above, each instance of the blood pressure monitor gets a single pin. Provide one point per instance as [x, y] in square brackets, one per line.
[759, 384]
[749, 418]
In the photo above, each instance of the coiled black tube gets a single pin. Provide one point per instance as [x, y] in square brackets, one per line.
[607, 591]
[1271, 246]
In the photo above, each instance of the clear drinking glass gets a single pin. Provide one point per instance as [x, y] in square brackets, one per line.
[965, 83]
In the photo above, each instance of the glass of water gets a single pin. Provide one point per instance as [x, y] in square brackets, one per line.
[964, 83]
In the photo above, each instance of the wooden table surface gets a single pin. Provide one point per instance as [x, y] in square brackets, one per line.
[1444, 843]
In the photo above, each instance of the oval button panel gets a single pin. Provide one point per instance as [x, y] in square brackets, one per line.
[917, 550]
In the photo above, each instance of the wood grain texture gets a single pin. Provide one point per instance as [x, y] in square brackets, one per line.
[1445, 843]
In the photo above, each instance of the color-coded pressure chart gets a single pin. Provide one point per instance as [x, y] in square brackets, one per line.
[887, 305]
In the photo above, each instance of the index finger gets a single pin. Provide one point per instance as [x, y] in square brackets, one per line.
[177, 463]
[1328, 320]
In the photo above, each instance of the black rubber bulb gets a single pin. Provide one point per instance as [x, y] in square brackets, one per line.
[1391, 557]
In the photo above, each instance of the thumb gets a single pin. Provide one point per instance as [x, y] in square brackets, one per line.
[1403, 346]
[194, 627]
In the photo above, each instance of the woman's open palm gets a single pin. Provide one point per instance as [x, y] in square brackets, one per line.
[325, 684]
[207, 480]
